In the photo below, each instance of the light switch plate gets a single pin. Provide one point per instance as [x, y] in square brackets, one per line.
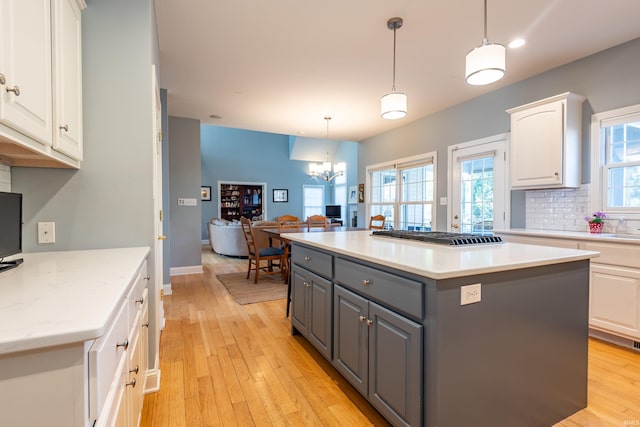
[187, 202]
[46, 232]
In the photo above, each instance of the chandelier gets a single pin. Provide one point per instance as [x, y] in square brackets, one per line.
[326, 170]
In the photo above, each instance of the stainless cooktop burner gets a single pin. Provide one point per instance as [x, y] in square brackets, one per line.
[443, 238]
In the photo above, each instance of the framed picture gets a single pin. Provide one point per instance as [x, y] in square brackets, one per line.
[205, 193]
[360, 193]
[280, 195]
[353, 194]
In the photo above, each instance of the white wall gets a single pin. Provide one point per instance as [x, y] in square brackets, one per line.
[5, 178]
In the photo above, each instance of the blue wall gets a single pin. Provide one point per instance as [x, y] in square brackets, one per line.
[248, 156]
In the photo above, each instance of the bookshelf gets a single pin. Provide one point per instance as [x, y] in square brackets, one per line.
[241, 200]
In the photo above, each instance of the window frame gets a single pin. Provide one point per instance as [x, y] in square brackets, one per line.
[399, 165]
[599, 167]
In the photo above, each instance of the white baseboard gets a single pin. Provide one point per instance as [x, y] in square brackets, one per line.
[182, 271]
[204, 242]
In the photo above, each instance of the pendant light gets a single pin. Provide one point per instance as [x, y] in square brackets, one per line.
[394, 105]
[486, 63]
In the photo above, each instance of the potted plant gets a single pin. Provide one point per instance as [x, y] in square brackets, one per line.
[596, 222]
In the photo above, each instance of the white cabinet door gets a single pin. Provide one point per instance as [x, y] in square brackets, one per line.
[546, 141]
[615, 299]
[25, 65]
[67, 60]
[537, 152]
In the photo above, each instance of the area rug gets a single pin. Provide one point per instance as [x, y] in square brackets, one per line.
[244, 291]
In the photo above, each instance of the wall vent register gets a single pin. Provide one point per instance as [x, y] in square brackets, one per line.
[443, 238]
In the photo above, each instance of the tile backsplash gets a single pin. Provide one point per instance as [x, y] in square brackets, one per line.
[564, 210]
[5, 178]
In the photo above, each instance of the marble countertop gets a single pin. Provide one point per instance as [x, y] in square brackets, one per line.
[435, 260]
[633, 239]
[56, 298]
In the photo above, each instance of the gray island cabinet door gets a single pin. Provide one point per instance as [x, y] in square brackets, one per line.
[380, 353]
[311, 314]
[395, 366]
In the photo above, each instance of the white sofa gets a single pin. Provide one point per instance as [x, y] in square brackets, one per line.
[226, 238]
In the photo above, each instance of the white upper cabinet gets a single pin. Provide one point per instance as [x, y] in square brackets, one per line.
[546, 143]
[41, 83]
[67, 83]
[25, 65]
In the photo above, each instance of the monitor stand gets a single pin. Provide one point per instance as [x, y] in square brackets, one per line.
[8, 265]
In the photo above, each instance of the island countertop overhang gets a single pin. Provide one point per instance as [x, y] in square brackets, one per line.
[437, 261]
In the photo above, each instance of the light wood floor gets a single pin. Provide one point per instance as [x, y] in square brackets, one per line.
[231, 365]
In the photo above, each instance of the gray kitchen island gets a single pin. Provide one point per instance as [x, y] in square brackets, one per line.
[442, 336]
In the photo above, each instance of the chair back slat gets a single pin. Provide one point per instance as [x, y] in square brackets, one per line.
[288, 222]
[376, 222]
[317, 221]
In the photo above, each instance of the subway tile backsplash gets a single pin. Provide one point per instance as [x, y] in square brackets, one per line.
[565, 209]
[562, 209]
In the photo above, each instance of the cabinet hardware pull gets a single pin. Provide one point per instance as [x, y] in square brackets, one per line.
[307, 285]
[65, 128]
[140, 300]
[14, 89]
[132, 383]
[146, 325]
[307, 258]
[362, 318]
[135, 370]
[369, 322]
[366, 282]
[147, 278]
[3, 79]
[124, 344]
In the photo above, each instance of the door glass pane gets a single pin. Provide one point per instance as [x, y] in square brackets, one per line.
[476, 195]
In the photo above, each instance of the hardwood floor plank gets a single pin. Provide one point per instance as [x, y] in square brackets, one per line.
[224, 364]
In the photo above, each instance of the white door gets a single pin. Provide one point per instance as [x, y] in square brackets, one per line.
[157, 217]
[478, 189]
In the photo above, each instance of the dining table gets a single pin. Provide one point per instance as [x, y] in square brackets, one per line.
[276, 234]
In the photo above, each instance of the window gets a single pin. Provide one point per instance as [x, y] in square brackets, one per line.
[312, 200]
[340, 192]
[615, 168]
[403, 192]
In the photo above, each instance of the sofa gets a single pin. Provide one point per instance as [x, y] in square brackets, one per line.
[226, 238]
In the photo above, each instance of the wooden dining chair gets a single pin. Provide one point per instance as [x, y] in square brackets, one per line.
[376, 222]
[317, 221]
[257, 255]
[288, 223]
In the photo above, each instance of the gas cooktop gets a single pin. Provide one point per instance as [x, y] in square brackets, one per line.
[443, 238]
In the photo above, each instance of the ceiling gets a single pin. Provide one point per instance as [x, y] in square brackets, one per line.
[281, 66]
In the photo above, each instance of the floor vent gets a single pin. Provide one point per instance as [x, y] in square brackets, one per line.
[636, 345]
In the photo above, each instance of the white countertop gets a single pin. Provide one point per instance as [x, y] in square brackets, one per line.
[573, 235]
[57, 298]
[435, 260]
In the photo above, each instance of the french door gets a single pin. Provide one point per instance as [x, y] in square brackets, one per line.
[478, 189]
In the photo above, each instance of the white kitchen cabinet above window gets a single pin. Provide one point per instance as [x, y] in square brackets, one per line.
[546, 143]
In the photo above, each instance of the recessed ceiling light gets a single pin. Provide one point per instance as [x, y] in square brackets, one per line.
[516, 43]
[215, 116]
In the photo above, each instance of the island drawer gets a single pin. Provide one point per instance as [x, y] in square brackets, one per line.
[312, 260]
[104, 357]
[400, 293]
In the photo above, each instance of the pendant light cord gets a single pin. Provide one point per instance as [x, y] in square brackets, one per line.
[393, 86]
[485, 40]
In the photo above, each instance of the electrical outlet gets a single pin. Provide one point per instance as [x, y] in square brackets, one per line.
[46, 232]
[470, 293]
